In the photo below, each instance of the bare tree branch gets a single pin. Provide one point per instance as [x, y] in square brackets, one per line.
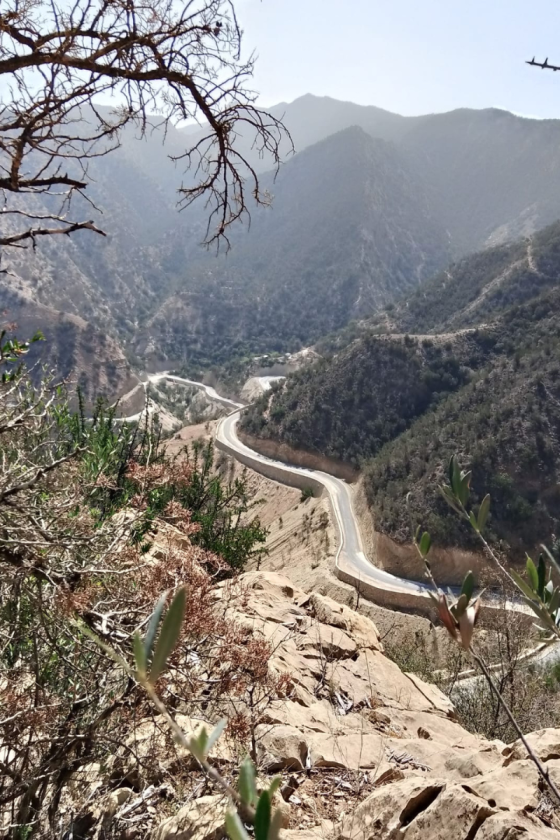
[544, 66]
[33, 233]
[180, 61]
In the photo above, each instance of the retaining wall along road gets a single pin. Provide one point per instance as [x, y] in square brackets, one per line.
[298, 457]
[292, 479]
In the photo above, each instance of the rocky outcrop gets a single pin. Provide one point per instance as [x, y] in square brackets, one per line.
[203, 819]
[366, 752]
[414, 809]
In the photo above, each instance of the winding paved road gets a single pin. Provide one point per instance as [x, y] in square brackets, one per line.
[350, 557]
[351, 563]
[212, 393]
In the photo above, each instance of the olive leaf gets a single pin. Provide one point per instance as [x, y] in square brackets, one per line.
[483, 512]
[234, 827]
[262, 816]
[246, 783]
[468, 586]
[425, 544]
[169, 635]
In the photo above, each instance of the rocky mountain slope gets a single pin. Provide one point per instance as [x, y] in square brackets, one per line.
[480, 365]
[481, 287]
[73, 349]
[481, 177]
[493, 175]
[350, 227]
[359, 218]
[364, 750]
[348, 406]
[109, 282]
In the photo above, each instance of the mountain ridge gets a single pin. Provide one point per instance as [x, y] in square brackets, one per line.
[348, 227]
[400, 404]
[473, 179]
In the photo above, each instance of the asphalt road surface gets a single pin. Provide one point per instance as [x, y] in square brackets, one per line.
[350, 551]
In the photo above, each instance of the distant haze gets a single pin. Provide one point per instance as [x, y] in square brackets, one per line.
[406, 56]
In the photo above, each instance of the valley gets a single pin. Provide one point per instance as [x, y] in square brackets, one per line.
[393, 311]
[478, 346]
[359, 217]
[279, 424]
[364, 283]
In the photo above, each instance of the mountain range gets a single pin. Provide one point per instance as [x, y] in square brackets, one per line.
[371, 205]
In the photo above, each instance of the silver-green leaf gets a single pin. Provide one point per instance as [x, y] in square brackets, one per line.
[246, 783]
[425, 544]
[468, 586]
[483, 512]
[215, 734]
[154, 624]
[169, 635]
[234, 827]
[139, 654]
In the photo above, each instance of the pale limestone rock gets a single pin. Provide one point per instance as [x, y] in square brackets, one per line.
[318, 832]
[285, 809]
[330, 642]
[317, 717]
[320, 717]
[376, 681]
[203, 819]
[468, 764]
[281, 747]
[380, 816]
[545, 742]
[269, 608]
[508, 826]
[272, 631]
[352, 750]
[272, 583]
[435, 780]
[454, 813]
[261, 599]
[514, 787]
[411, 809]
[436, 698]
[305, 669]
[440, 728]
[553, 767]
[452, 763]
[362, 629]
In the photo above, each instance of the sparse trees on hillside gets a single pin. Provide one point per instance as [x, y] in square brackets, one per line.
[157, 63]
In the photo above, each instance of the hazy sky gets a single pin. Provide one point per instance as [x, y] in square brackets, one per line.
[409, 56]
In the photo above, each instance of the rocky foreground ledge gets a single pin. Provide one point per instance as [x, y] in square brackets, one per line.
[366, 752]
